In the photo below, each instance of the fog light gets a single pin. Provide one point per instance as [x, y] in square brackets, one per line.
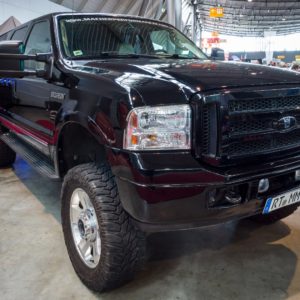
[233, 197]
[212, 197]
[263, 185]
[297, 175]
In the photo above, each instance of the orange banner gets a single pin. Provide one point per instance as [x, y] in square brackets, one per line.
[216, 12]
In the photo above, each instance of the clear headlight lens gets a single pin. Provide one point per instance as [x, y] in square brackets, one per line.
[158, 128]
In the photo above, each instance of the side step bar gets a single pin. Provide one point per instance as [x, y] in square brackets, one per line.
[38, 161]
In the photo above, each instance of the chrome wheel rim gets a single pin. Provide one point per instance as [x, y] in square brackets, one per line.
[85, 228]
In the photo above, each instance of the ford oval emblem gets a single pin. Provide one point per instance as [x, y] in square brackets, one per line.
[285, 123]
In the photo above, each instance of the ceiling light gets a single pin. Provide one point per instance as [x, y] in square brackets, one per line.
[283, 19]
[249, 0]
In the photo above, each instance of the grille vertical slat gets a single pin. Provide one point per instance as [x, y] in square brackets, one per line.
[209, 126]
[206, 130]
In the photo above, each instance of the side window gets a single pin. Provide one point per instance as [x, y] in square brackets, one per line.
[19, 34]
[39, 41]
[3, 37]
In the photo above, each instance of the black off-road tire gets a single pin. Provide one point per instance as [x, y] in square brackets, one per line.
[7, 155]
[276, 215]
[122, 244]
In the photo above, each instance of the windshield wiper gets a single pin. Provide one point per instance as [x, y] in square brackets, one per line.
[177, 56]
[117, 54]
[130, 55]
[114, 54]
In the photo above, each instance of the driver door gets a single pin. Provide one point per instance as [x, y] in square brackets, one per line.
[34, 108]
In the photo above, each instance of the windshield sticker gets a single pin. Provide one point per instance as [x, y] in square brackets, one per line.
[114, 19]
[77, 52]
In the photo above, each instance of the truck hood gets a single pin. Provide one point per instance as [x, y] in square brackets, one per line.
[204, 74]
[153, 77]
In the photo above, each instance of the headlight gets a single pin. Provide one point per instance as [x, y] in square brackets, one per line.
[158, 128]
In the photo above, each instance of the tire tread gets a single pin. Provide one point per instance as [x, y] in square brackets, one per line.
[123, 245]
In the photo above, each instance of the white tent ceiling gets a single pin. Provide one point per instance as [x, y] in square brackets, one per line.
[9, 24]
[241, 18]
[148, 8]
[153, 9]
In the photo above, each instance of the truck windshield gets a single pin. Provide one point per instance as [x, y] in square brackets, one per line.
[91, 37]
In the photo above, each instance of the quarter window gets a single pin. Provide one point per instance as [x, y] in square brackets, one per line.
[19, 34]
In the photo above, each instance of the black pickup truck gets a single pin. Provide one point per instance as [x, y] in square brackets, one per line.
[146, 133]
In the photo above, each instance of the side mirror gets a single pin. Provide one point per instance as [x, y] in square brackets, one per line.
[12, 59]
[11, 47]
[217, 54]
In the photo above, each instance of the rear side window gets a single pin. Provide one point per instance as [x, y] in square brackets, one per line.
[19, 34]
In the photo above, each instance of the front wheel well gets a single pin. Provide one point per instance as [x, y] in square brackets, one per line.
[76, 145]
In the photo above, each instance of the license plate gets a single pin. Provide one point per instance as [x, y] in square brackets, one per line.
[282, 200]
